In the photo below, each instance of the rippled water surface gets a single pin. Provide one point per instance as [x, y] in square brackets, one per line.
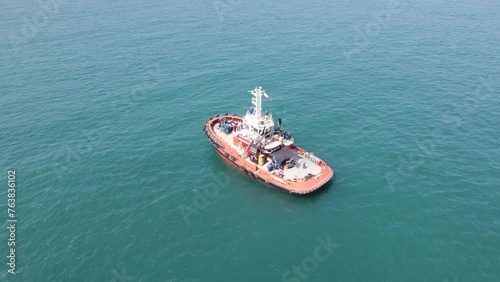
[101, 112]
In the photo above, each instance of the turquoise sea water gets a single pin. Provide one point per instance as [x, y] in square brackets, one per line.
[101, 112]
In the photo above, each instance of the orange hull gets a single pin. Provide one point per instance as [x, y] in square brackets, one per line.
[228, 153]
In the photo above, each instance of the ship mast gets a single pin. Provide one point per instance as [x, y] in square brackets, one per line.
[257, 100]
[258, 124]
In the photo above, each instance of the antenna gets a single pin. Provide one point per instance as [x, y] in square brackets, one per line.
[257, 100]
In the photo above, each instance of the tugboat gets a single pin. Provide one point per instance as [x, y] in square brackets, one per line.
[264, 151]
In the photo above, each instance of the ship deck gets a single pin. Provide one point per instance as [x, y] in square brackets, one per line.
[303, 166]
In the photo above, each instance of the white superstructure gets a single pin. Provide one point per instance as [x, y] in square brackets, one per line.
[258, 124]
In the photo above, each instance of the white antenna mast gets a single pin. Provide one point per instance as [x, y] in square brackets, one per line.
[257, 100]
